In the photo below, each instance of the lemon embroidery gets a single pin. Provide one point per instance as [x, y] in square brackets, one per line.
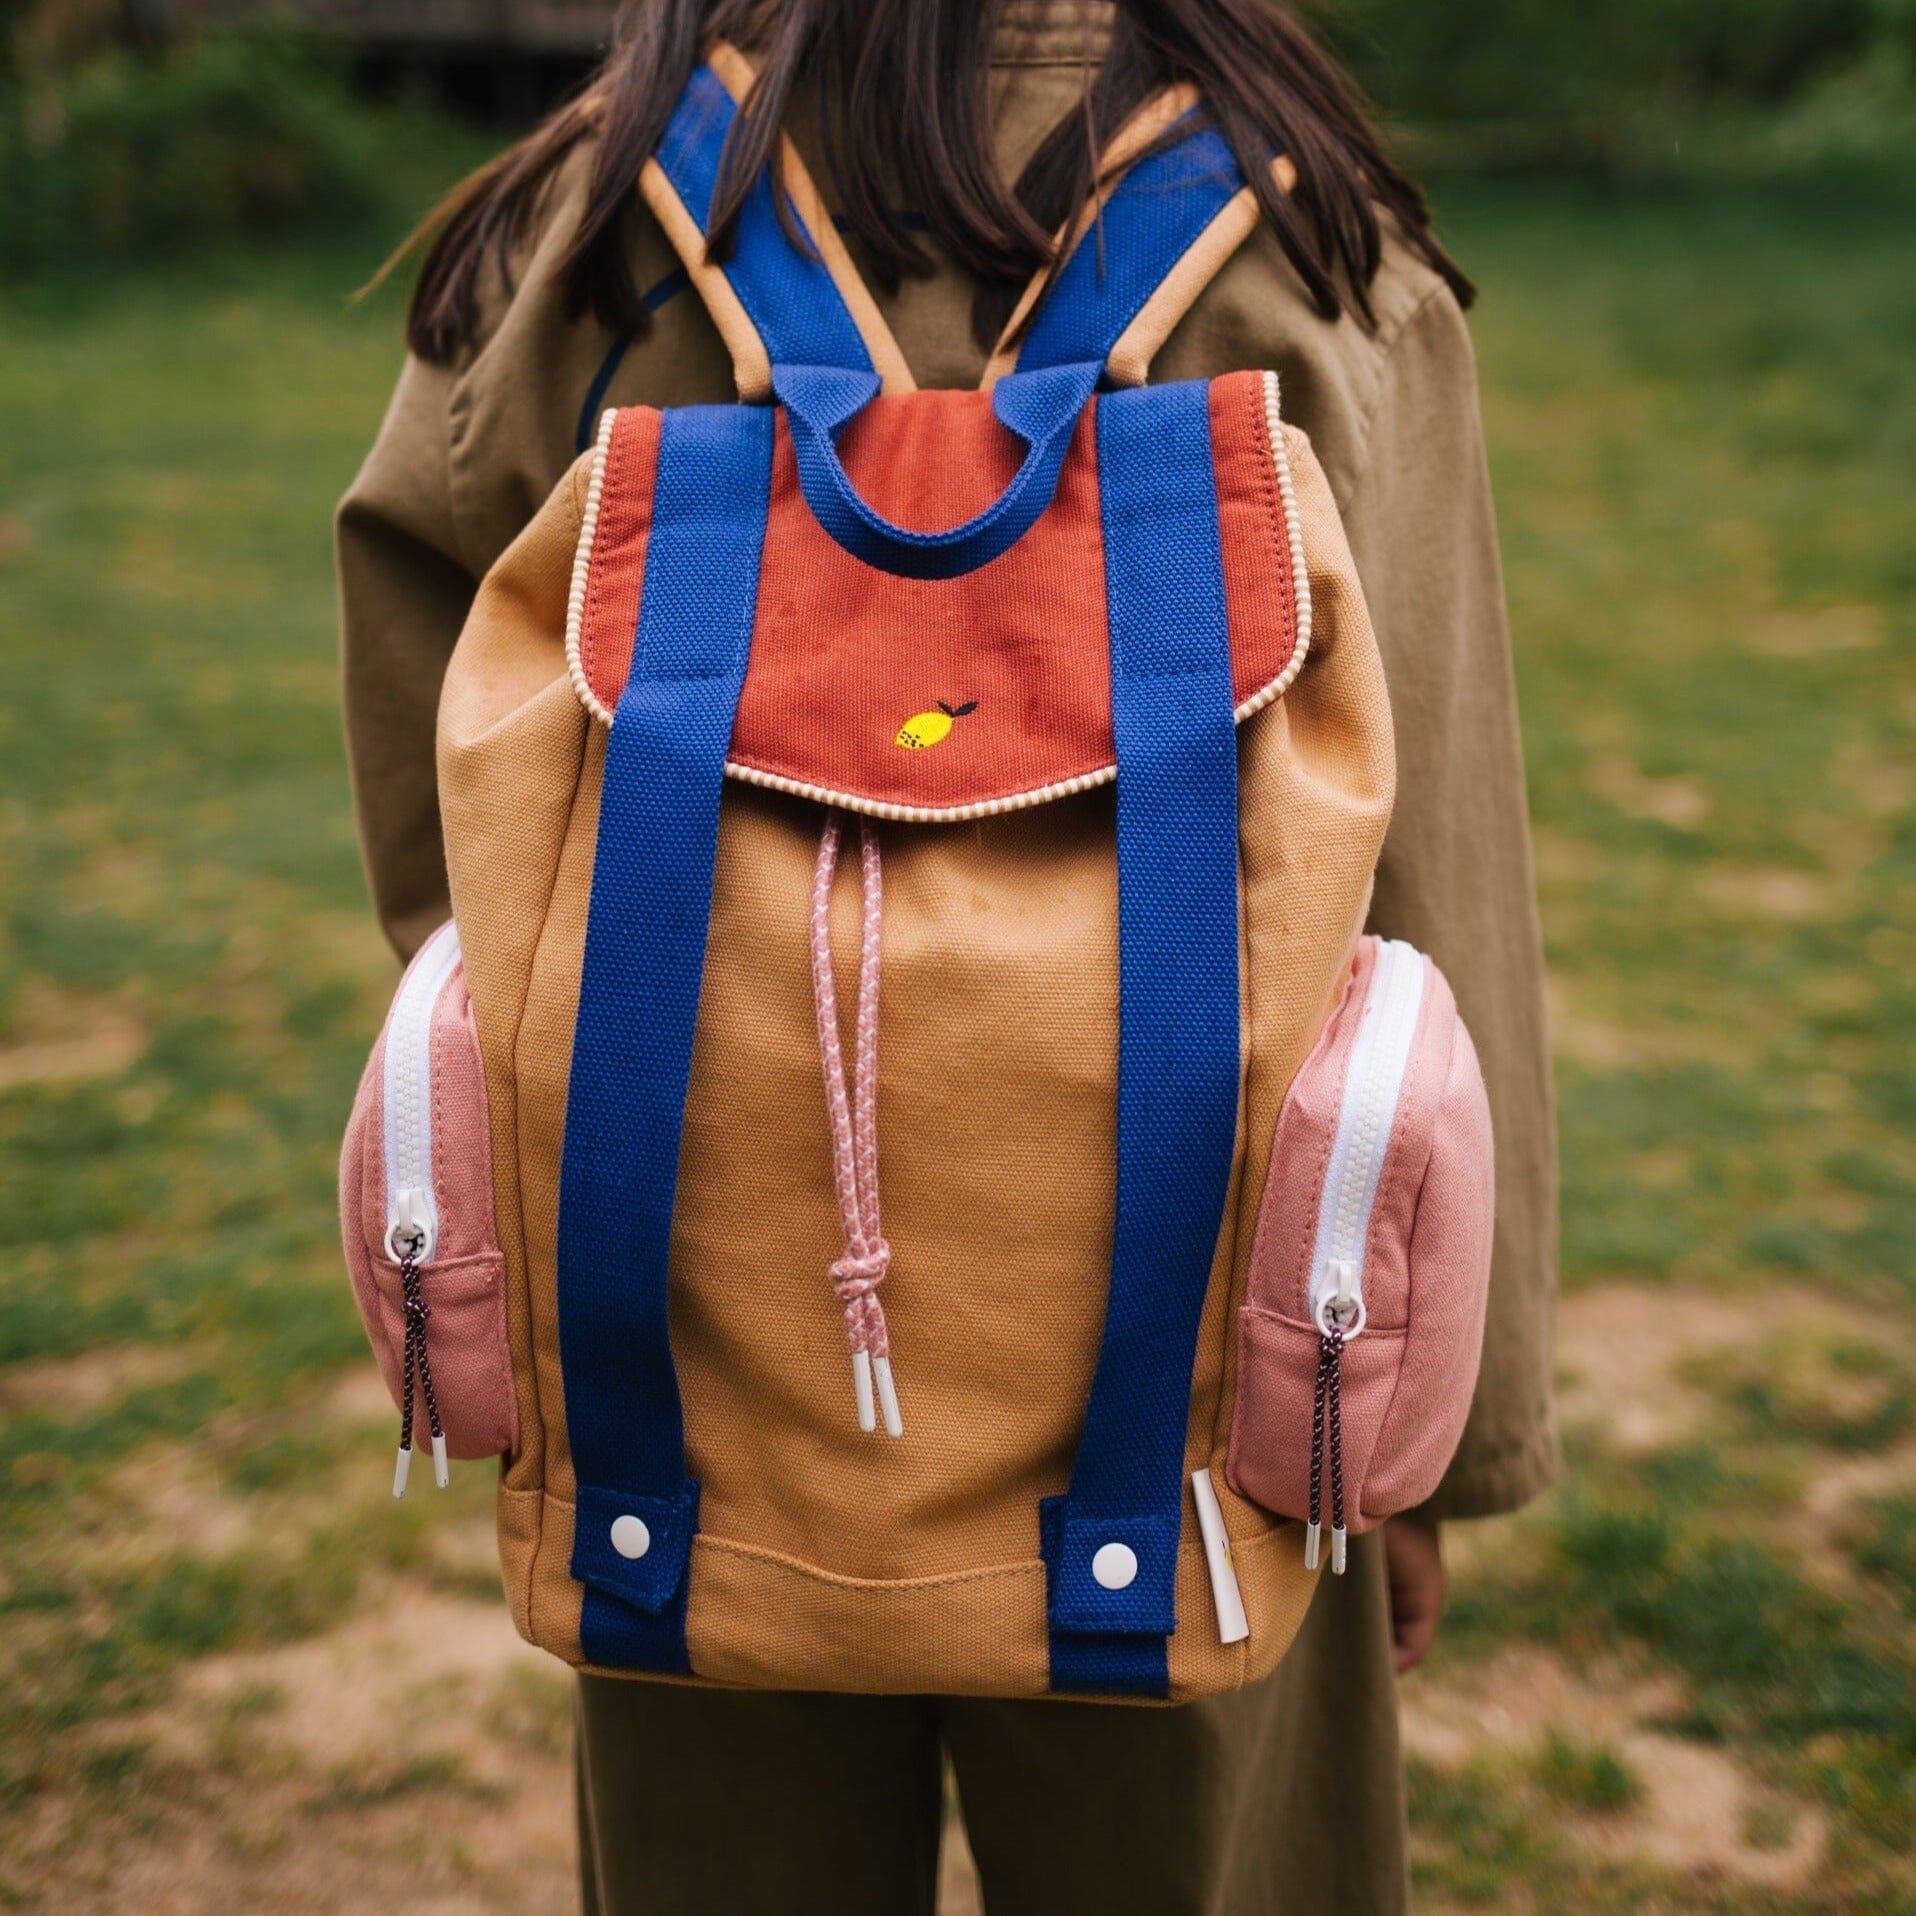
[932, 728]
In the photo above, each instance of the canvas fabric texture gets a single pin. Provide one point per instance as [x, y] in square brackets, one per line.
[470, 1354]
[824, 720]
[854, 1565]
[1406, 1381]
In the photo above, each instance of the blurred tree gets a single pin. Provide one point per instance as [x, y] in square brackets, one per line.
[1481, 62]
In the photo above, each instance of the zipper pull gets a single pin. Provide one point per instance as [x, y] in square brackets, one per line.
[408, 1238]
[407, 1234]
[1232, 1624]
[1320, 1397]
[1327, 1423]
[1342, 1272]
[1340, 1537]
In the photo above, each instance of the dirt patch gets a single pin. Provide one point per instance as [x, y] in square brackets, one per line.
[1768, 891]
[1814, 1529]
[1584, 1038]
[1694, 1811]
[1813, 634]
[74, 1386]
[1622, 1349]
[1683, 802]
[60, 1037]
[269, 1843]
[360, 1397]
[416, 1758]
[399, 1679]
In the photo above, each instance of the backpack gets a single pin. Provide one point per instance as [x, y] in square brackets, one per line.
[905, 1149]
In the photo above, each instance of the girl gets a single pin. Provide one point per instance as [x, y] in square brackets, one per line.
[955, 137]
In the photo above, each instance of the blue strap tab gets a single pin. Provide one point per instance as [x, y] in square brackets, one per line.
[1149, 222]
[646, 926]
[1178, 1056]
[1042, 408]
[789, 296]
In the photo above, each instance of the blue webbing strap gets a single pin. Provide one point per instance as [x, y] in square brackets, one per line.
[1178, 1063]
[789, 296]
[632, 1047]
[1042, 408]
[1150, 221]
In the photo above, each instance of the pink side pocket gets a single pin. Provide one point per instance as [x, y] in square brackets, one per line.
[1361, 1333]
[415, 1199]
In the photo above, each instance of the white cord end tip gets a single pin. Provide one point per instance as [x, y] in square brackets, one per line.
[1340, 1552]
[888, 1397]
[402, 1469]
[862, 1387]
[441, 1471]
[1313, 1539]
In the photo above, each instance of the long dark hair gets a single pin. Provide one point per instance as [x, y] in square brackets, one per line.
[903, 116]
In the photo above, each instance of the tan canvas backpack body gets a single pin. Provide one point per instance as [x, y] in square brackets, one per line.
[904, 1148]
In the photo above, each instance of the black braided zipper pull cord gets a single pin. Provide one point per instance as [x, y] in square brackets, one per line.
[1314, 1532]
[1333, 1361]
[417, 1365]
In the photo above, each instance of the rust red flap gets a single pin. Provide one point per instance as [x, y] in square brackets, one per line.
[951, 698]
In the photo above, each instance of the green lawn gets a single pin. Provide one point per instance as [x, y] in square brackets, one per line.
[1704, 430]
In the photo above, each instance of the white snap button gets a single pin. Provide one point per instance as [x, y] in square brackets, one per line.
[630, 1538]
[1115, 1566]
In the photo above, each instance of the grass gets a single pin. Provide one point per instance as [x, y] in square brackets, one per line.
[1702, 428]
[1590, 1777]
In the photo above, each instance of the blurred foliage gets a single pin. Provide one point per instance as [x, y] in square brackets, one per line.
[243, 134]
[1731, 81]
[258, 131]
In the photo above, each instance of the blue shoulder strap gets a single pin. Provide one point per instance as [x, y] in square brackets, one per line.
[637, 1509]
[1147, 227]
[1110, 1542]
[790, 296]
[819, 362]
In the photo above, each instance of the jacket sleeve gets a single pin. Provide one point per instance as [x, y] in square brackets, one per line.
[1456, 876]
[404, 591]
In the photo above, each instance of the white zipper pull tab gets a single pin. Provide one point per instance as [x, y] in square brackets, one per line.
[1232, 1624]
[1342, 1272]
[408, 1227]
[409, 1232]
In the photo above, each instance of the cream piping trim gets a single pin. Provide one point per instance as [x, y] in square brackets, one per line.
[985, 808]
[1294, 535]
[921, 814]
[581, 572]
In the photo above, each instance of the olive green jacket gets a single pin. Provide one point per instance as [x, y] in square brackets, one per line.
[468, 452]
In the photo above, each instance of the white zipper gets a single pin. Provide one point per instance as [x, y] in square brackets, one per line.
[412, 1218]
[1365, 1118]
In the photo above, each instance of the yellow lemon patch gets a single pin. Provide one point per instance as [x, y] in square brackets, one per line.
[932, 728]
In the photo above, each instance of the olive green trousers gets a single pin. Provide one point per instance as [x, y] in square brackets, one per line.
[1283, 1797]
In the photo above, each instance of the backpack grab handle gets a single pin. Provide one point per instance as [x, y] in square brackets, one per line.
[1042, 408]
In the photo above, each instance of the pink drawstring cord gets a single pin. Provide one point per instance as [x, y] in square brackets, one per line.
[854, 1120]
